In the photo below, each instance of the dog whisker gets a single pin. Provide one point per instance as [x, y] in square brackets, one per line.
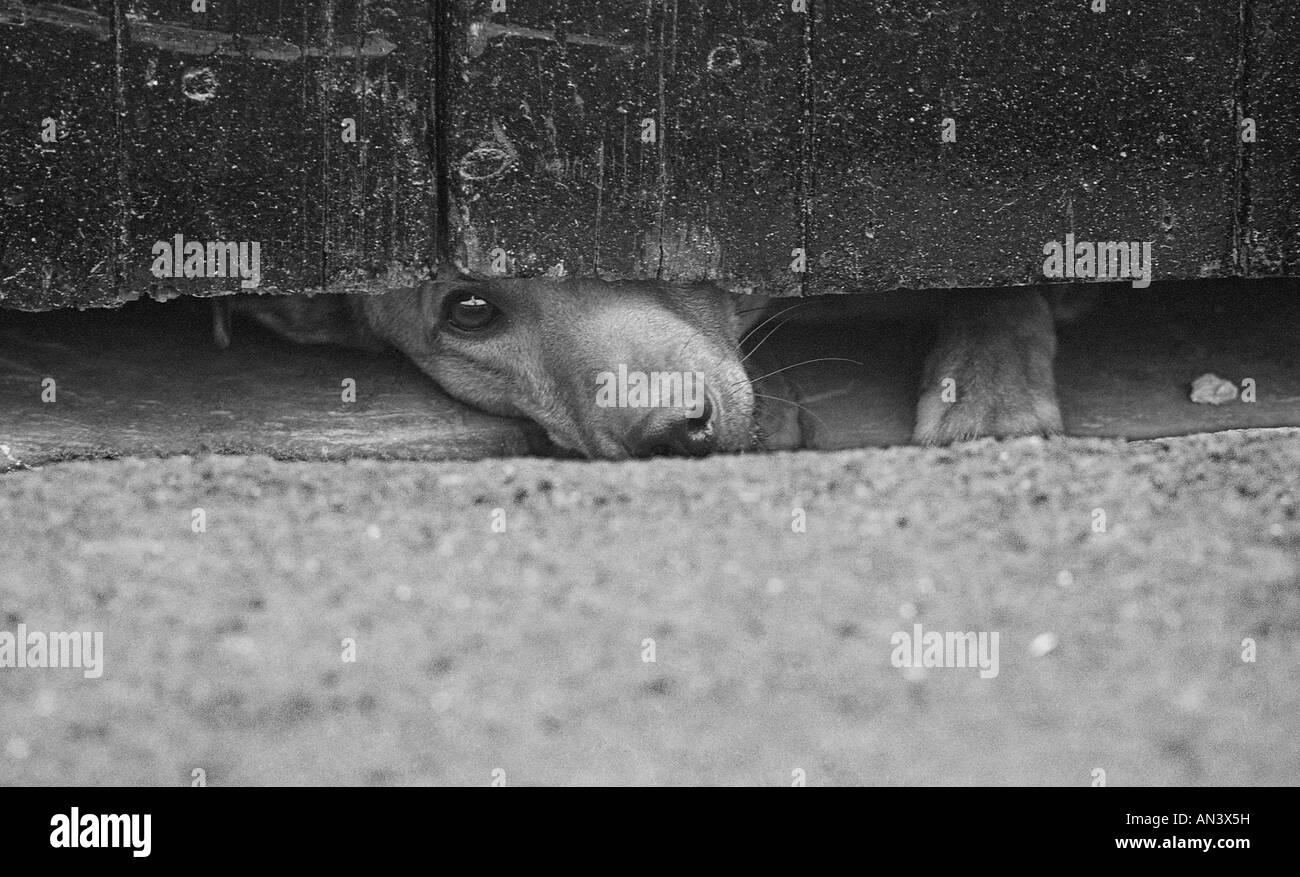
[805, 362]
[751, 332]
[810, 412]
[776, 329]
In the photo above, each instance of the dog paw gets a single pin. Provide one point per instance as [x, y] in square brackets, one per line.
[991, 375]
[1013, 408]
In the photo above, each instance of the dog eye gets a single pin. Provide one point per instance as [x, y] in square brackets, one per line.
[470, 312]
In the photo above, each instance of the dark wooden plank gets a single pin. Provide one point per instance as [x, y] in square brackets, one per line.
[546, 162]
[1113, 125]
[229, 132]
[1272, 163]
[550, 167]
[736, 168]
[1057, 132]
[224, 147]
[1119, 125]
[379, 166]
[61, 212]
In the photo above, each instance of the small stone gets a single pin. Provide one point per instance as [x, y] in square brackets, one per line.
[1043, 644]
[1210, 389]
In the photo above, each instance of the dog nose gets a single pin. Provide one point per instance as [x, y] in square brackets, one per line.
[672, 432]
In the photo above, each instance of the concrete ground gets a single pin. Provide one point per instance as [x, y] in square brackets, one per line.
[525, 650]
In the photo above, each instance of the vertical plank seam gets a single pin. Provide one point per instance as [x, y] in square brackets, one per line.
[600, 198]
[662, 137]
[807, 183]
[362, 130]
[441, 17]
[1242, 216]
[304, 201]
[326, 92]
[120, 262]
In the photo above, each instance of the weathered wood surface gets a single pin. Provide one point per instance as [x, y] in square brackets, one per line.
[512, 141]
[823, 132]
[1271, 165]
[60, 206]
[558, 171]
[1113, 126]
[380, 205]
[221, 126]
[202, 134]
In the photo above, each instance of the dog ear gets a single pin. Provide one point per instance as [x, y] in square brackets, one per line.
[316, 319]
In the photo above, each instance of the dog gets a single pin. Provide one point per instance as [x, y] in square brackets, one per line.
[537, 348]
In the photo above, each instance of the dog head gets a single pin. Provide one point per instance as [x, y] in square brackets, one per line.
[608, 369]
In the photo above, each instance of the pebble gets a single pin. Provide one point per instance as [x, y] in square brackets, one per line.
[1210, 389]
[1043, 644]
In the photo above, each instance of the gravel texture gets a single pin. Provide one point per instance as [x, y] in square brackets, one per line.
[524, 650]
